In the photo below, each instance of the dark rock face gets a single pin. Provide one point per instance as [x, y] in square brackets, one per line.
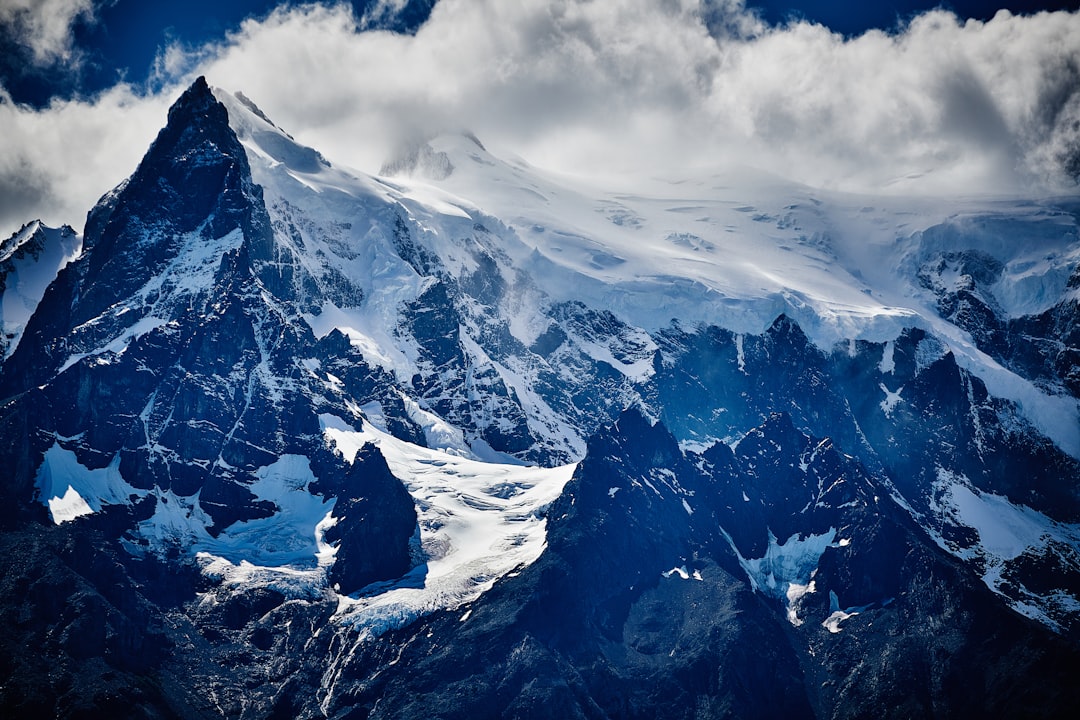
[365, 384]
[193, 186]
[470, 395]
[85, 638]
[936, 399]
[620, 632]
[380, 519]
[166, 357]
[586, 632]
[1047, 345]
[1043, 347]
[714, 384]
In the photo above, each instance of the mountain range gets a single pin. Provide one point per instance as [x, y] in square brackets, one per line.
[471, 439]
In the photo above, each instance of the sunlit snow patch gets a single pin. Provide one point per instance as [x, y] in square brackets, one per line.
[286, 550]
[786, 570]
[892, 399]
[68, 507]
[682, 572]
[478, 522]
[837, 616]
[70, 489]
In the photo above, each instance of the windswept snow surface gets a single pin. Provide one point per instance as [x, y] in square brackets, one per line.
[738, 247]
[733, 248]
[286, 551]
[478, 522]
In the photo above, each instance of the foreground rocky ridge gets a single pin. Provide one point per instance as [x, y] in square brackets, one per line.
[772, 528]
[663, 592]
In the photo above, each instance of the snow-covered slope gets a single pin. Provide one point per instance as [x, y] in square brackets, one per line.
[733, 250]
[738, 247]
[479, 521]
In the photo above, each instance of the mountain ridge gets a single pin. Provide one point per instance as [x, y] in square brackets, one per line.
[408, 452]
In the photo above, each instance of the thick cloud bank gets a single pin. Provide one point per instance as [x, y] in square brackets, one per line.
[624, 86]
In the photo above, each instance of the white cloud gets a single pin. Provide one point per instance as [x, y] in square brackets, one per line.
[45, 25]
[520, 74]
[55, 163]
[940, 106]
[632, 86]
[637, 84]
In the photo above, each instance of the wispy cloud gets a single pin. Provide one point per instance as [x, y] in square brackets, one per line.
[45, 26]
[636, 86]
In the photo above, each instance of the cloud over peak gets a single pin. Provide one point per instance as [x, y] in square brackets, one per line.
[643, 86]
[634, 84]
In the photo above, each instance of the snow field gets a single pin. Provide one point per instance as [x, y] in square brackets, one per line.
[478, 522]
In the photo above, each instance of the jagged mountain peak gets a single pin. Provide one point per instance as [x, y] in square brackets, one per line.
[19, 238]
[777, 430]
[197, 102]
[194, 177]
[152, 247]
[32, 239]
[196, 424]
[196, 135]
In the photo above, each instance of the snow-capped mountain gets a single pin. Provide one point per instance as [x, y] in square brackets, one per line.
[29, 261]
[471, 439]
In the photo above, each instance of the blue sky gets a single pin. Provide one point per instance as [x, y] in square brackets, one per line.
[960, 100]
[119, 39]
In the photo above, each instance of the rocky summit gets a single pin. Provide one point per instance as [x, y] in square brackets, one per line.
[280, 439]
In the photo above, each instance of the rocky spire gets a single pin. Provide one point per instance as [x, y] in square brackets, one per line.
[192, 188]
